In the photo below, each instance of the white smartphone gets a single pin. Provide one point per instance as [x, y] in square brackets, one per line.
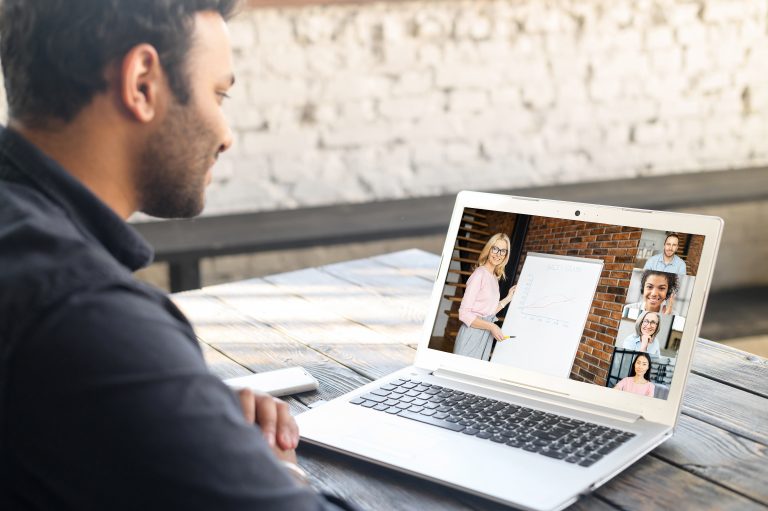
[280, 382]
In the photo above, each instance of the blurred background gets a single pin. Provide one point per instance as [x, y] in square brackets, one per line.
[354, 103]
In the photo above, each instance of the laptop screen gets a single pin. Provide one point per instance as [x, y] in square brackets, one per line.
[596, 303]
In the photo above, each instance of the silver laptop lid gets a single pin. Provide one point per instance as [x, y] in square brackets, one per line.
[607, 305]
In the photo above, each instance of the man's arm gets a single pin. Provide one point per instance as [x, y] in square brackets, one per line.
[111, 406]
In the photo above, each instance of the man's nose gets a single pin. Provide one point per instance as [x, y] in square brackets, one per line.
[228, 139]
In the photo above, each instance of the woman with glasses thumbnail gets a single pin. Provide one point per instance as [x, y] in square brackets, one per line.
[644, 338]
[481, 301]
[636, 382]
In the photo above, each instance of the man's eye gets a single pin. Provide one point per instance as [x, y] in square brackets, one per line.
[223, 95]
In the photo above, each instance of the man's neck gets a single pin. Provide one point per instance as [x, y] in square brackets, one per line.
[669, 259]
[94, 161]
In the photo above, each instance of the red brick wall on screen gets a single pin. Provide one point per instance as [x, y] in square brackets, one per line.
[694, 254]
[617, 247]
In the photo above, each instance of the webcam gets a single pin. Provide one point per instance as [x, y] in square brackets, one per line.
[578, 212]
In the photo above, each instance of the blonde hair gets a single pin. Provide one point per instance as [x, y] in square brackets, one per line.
[498, 271]
[639, 324]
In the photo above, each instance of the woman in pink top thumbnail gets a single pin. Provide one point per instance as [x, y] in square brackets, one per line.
[481, 301]
[636, 382]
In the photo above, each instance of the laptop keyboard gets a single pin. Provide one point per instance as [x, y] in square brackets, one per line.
[555, 436]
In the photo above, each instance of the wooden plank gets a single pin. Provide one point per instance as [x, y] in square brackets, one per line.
[719, 456]
[221, 365]
[384, 314]
[726, 407]
[384, 280]
[731, 366]
[411, 294]
[373, 362]
[293, 316]
[654, 484]
[414, 262]
[259, 347]
[203, 309]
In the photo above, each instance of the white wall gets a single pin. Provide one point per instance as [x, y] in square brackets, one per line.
[357, 102]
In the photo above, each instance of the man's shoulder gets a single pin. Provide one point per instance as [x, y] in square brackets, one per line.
[46, 257]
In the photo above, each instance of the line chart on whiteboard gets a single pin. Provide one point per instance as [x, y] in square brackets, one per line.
[547, 314]
[539, 303]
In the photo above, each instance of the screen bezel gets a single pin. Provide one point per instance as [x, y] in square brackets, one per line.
[656, 410]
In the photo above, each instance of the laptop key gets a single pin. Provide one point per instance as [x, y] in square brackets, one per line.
[372, 397]
[393, 410]
[427, 412]
[357, 401]
[431, 420]
[380, 407]
[484, 434]
[369, 404]
[441, 414]
[553, 454]
[470, 431]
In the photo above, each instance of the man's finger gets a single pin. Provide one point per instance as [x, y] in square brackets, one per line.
[266, 417]
[247, 404]
[287, 429]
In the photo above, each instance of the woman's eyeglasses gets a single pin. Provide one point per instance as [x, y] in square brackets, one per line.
[498, 251]
[647, 322]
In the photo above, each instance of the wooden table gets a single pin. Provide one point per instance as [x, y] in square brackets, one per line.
[352, 322]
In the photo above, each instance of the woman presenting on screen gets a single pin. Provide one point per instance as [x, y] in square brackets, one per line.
[481, 301]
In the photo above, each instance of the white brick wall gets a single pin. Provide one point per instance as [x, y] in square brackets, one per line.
[358, 102]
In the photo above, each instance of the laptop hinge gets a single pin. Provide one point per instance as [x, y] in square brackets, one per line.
[536, 393]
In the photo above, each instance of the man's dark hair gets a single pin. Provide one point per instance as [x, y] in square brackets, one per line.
[54, 52]
[672, 235]
[672, 280]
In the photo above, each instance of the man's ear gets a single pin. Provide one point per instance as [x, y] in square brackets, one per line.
[141, 82]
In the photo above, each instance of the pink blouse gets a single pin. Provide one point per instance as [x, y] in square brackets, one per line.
[628, 385]
[481, 298]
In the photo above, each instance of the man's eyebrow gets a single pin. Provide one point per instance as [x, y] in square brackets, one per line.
[231, 79]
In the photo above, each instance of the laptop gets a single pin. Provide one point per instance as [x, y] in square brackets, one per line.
[583, 373]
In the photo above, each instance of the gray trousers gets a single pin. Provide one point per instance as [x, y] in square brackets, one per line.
[474, 342]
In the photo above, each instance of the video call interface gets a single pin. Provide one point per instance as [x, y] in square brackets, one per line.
[596, 303]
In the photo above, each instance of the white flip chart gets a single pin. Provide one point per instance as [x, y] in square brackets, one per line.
[548, 312]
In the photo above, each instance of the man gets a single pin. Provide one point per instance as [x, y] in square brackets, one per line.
[667, 260]
[105, 401]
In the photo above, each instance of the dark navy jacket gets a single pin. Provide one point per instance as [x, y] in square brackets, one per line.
[105, 400]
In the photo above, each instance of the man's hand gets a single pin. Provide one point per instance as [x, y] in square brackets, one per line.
[276, 423]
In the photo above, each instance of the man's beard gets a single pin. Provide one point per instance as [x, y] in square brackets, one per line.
[171, 180]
